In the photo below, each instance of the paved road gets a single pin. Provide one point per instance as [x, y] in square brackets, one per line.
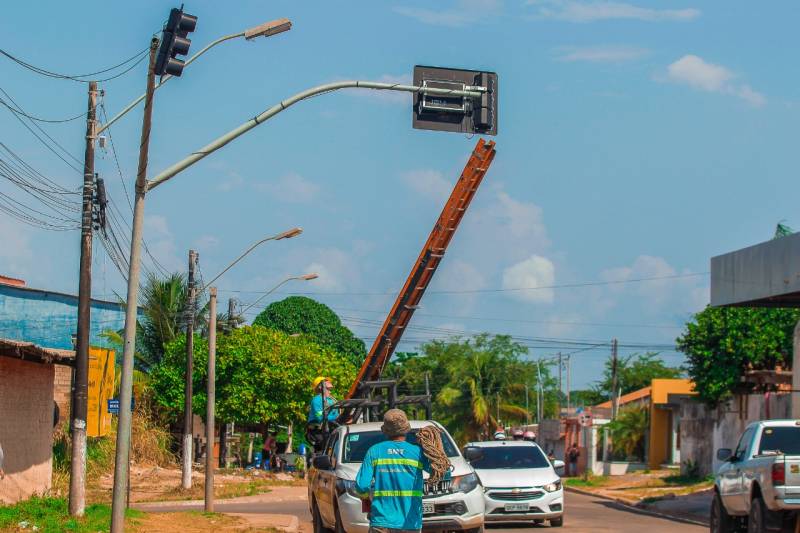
[583, 513]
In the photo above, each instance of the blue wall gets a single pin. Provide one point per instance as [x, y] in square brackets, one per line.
[50, 319]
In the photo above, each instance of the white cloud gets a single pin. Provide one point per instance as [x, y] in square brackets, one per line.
[581, 11]
[699, 74]
[206, 242]
[291, 187]
[600, 54]
[523, 220]
[230, 182]
[161, 244]
[430, 183]
[462, 13]
[536, 271]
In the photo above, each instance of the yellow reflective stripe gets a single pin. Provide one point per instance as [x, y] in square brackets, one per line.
[409, 462]
[401, 493]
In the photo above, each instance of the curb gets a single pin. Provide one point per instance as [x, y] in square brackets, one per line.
[635, 507]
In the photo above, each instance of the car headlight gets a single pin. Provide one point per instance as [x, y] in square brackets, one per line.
[348, 486]
[466, 483]
[552, 487]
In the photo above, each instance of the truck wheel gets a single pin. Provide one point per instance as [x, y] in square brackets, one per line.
[755, 521]
[720, 520]
[557, 522]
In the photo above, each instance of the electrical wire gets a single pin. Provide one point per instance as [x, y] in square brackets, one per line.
[77, 77]
[39, 119]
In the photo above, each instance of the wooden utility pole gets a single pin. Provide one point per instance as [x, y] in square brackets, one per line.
[211, 398]
[80, 383]
[231, 310]
[186, 478]
[614, 378]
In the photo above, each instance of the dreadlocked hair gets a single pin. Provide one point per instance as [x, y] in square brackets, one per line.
[430, 440]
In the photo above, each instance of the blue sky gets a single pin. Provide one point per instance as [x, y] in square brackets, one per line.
[637, 139]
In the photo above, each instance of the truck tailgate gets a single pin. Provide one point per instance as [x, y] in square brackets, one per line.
[792, 465]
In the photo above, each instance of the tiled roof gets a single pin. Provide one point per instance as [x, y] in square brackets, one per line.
[28, 351]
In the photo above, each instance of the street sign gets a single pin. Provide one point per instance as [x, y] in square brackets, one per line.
[455, 113]
[113, 405]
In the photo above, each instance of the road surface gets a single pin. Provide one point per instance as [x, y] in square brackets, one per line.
[583, 513]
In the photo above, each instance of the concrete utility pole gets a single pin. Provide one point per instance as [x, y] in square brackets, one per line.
[614, 377]
[527, 409]
[540, 395]
[126, 382]
[231, 310]
[560, 384]
[568, 384]
[211, 396]
[80, 384]
[186, 465]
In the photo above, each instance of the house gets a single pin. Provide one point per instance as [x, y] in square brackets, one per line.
[29, 415]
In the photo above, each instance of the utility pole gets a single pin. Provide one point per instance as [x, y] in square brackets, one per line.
[614, 378]
[527, 409]
[540, 395]
[560, 385]
[80, 384]
[231, 310]
[211, 397]
[122, 456]
[186, 477]
[568, 383]
[497, 400]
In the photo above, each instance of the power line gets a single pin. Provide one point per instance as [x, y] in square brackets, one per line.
[77, 77]
[393, 292]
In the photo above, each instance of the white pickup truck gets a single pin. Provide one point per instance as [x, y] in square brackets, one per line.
[758, 485]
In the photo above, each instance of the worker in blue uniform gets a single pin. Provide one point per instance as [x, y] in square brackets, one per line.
[321, 404]
[391, 476]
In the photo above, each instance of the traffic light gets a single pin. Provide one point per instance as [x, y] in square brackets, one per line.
[174, 42]
[455, 113]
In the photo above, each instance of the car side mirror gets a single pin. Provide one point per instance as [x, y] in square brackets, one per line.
[724, 454]
[322, 462]
[558, 464]
[472, 453]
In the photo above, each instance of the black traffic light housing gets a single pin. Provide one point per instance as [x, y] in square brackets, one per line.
[455, 113]
[174, 42]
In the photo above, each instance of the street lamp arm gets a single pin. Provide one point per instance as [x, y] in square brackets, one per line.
[166, 78]
[274, 110]
[277, 237]
[275, 288]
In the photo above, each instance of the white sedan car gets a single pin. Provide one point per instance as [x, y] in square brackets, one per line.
[519, 483]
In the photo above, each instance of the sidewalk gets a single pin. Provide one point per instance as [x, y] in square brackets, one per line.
[246, 508]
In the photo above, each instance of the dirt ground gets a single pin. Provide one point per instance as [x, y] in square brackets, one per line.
[153, 483]
[638, 486]
[188, 522]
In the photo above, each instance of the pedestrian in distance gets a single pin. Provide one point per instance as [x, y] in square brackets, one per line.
[391, 476]
[572, 457]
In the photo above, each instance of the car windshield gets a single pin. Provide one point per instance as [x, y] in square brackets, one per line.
[784, 440]
[357, 444]
[494, 457]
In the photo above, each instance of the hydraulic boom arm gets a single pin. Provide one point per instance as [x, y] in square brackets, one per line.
[425, 266]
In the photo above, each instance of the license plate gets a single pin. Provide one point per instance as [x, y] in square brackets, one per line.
[516, 507]
[428, 508]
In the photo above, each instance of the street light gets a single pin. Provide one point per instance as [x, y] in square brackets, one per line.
[267, 29]
[288, 234]
[305, 277]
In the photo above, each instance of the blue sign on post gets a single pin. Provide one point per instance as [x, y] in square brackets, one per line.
[113, 405]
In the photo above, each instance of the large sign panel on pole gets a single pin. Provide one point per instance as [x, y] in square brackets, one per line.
[101, 389]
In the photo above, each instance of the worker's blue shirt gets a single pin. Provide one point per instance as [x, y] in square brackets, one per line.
[392, 474]
[316, 408]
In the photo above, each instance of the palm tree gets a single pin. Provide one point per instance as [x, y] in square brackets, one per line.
[628, 430]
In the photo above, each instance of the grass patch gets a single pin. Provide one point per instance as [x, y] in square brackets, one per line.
[591, 481]
[685, 481]
[51, 515]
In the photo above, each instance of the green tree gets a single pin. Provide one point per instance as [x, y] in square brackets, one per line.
[471, 379]
[634, 372]
[298, 314]
[262, 375]
[628, 431]
[720, 343]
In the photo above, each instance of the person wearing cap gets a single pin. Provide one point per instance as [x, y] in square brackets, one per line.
[322, 401]
[391, 476]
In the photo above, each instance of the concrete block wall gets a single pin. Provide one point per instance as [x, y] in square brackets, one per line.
[26, 428]
[62, 390]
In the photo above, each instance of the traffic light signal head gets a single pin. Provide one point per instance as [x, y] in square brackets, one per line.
[456, 113]
[174, 42]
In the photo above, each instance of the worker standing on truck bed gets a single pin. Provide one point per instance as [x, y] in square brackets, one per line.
[391, 475]
[321, 402]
